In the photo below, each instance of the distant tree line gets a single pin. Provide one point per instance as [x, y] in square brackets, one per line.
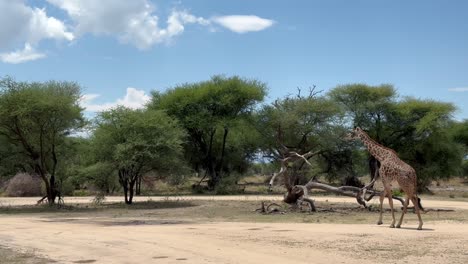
[219, 129]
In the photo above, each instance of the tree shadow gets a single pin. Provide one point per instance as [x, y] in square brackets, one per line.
[84, 208]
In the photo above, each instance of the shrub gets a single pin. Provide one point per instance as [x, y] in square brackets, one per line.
[3, 185]
[23, 185]
[465, 168]
[228, 185]
[67, 187]
[81, 193]
[397, 193]
[99, 198]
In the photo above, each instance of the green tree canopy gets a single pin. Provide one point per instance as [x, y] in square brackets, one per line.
[36, 118]
[298, 122]
[366, 106]
[210, 111]
[304, 124]
[135, 142]
[417, 129]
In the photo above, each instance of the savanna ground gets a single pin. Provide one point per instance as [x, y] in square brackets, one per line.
[226, 229]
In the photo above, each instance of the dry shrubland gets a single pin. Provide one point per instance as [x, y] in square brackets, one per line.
[23, 185]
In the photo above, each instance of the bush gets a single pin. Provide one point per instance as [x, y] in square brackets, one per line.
[397, 193]
[228, 185]
[81, 193]
[3, 185]
[67, 187]
[465, 169]
[23, 185]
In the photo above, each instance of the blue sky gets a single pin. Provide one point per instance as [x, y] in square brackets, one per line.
[119, 50]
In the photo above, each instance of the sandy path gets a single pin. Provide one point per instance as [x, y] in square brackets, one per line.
[149, 240]
[106, 241]
[7, 201]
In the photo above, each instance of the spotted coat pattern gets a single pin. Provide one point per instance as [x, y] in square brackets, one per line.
[392, 168]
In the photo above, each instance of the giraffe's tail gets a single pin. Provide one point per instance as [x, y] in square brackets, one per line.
[416, 191]
[420, 205]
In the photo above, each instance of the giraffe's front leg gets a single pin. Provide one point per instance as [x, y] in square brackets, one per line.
[381, 199]
[388, 193]
[405, 208]
[390, 201]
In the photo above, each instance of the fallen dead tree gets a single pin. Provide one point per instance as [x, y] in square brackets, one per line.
[272, 208]
[298, 195]
[350, 191]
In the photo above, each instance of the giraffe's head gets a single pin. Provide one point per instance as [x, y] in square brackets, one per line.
[353, 134]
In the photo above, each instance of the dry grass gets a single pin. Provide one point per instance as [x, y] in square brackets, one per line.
[13, 257]
[206, 211]
[228, 211]
[456, 188]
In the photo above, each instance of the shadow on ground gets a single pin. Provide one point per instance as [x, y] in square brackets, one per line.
[83, 208]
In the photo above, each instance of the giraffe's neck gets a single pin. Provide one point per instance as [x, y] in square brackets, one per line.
[375, 149]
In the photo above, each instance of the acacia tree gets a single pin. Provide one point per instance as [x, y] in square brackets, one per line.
[209, 111]
[10, 158]
[134, 142]
[367, 107]
[420, 131]
[304, 124]
[459, 133]
[417, 129]
[36, 118]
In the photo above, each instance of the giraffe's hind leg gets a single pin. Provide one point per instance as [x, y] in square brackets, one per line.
[414, 199]
[405, 207]
[390, 202]
[381, 199]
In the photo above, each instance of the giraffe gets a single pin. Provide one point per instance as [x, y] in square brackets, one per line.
[391, 168]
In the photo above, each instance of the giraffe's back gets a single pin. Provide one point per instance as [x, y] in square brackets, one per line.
[399, 171]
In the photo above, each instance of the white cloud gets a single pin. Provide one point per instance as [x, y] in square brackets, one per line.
[459, 89]
[20, 56]
[24, 25]
[176, 21]
[132, 21]
[135, 22]
[243, 24]
[133, 99]
[87, 98]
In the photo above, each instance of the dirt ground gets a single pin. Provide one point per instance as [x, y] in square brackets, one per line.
[178, 235]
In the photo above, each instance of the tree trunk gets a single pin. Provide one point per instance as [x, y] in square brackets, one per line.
[127, 179]
[223, 150]
[53, 185]
[138, 186]
[52, 192]
[131, 189]
[219, 167]
[125, 188]
[212, 174]
[210, 166]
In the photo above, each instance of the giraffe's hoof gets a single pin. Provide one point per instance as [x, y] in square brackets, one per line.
[392, 226]
[379, 222]
[398, 226]
[419, 228]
